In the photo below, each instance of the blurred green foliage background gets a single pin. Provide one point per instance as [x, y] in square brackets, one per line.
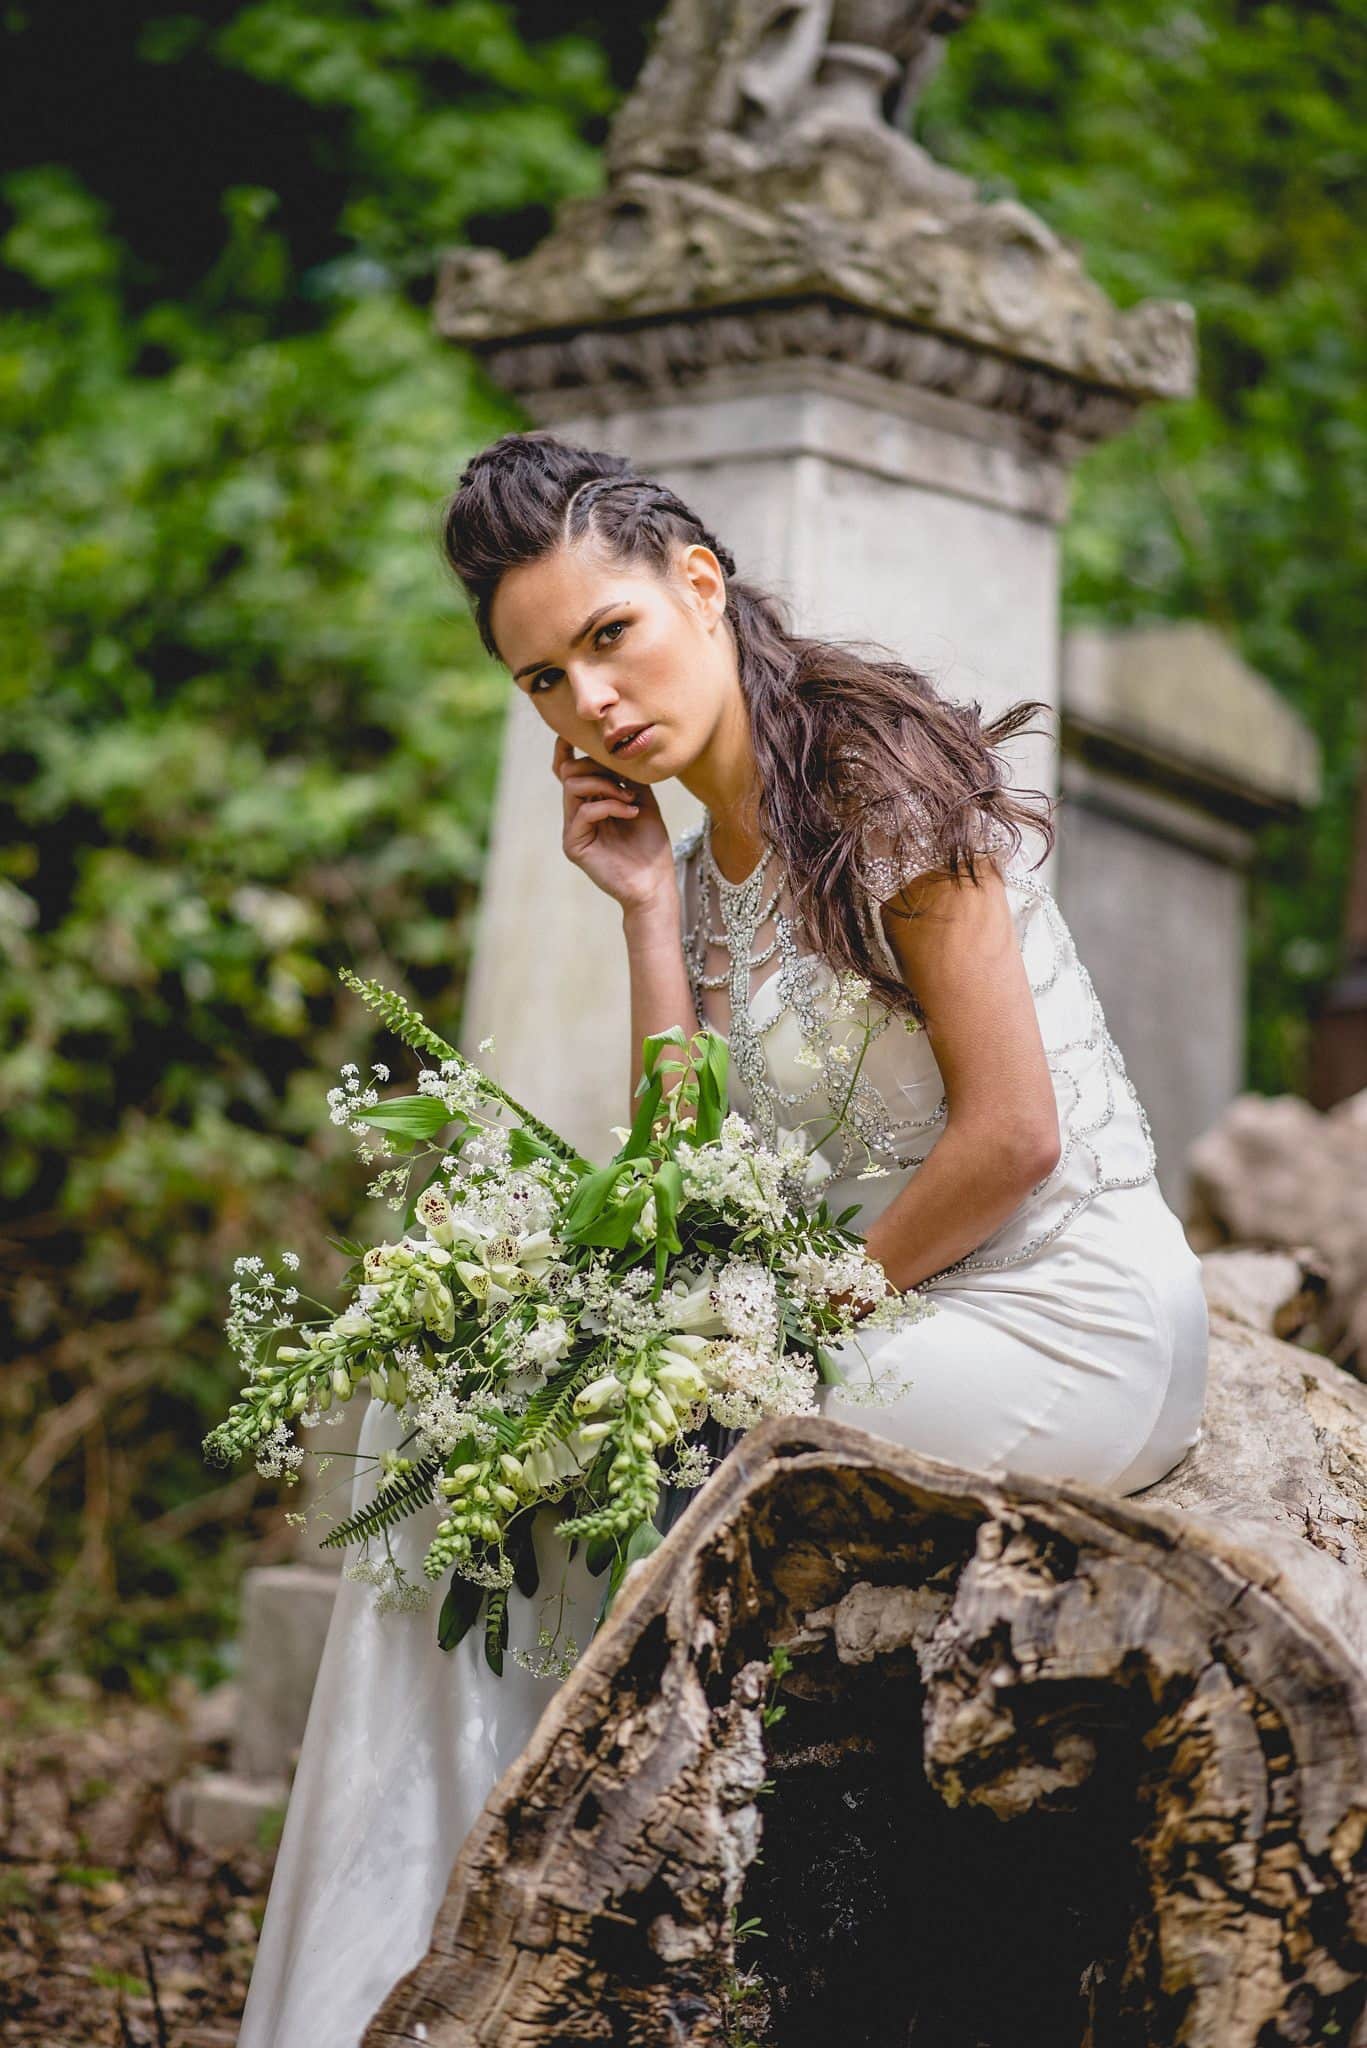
[248, 733]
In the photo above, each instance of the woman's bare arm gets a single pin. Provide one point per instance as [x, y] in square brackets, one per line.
[1001, 1134]
[660, 992]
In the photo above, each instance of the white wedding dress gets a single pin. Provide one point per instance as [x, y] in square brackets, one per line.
[1071, 1344]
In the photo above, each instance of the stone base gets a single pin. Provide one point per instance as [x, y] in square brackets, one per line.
[285, 1613]
[221, 1812]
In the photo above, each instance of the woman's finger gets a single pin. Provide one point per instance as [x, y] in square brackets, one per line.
[597, 811]
[597, 785]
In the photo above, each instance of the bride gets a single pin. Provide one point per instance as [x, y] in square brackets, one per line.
[853, 821]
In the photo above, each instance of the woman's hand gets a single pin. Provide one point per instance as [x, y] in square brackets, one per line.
[614, 830]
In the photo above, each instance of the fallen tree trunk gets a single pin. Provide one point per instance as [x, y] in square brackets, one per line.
[1054, 1766]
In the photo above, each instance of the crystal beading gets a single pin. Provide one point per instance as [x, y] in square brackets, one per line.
[868, 1123]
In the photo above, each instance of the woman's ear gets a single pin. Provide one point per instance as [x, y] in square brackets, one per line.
[706, 580]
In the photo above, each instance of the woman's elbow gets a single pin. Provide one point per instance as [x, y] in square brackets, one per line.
[1028, 1148]
[1039, 1147]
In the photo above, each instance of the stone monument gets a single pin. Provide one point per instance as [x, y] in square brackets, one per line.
[870, 382]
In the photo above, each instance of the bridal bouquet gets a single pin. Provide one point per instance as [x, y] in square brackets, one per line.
[549, 1331]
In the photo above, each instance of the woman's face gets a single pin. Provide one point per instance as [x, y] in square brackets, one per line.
[603, 647]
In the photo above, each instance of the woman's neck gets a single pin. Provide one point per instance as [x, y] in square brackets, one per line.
[735, 854]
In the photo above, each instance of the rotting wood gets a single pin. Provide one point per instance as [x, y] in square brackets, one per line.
[1055, 1765]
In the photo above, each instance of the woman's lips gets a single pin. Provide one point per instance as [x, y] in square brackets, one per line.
[636, 745]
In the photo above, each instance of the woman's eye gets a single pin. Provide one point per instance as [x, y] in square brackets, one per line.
[552, 675]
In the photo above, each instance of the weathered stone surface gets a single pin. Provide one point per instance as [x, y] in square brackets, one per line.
[1275, 1172]
[1176, 693]
[754, 179]
[223, 1812]
[285, 1613]
[1175, 753]
[1281, 1293]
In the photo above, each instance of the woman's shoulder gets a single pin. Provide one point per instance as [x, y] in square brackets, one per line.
[900, 841]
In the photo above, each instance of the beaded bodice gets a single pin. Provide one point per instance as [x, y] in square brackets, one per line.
[870, 1112]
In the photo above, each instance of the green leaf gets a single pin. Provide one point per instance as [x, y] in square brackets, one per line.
[523, 1148]
[643, 1123]
[712, 1088]
[644, 1538]
[349, 1246]
[458, 1610]
[615, 1228]
[826, 1369]
[522, 1550]
[409, 1116]
[669, 1194]
[589, 1200]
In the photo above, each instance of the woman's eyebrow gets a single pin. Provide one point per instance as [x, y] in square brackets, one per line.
[585, 629]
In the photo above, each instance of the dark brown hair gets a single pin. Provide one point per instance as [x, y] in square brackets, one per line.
[852, 750]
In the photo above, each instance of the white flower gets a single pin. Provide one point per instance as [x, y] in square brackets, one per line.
[695, 1311]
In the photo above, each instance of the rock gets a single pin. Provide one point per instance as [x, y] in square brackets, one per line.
[1275, 1173]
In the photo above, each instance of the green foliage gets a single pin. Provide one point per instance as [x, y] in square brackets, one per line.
[250, 739]
[1212, 152]
[401, 1498]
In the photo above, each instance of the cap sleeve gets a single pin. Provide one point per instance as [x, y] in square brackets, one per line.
[899, 842]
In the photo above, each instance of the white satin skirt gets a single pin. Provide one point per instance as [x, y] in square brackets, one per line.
[1086, 1362]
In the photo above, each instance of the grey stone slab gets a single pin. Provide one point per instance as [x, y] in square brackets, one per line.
[221, 1812]
[285, 1615]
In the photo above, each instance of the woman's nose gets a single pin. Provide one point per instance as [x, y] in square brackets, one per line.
[592, 695]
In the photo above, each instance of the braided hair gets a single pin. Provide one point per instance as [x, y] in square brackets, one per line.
[853, 751]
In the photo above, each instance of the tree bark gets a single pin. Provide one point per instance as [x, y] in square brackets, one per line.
[1054, 1765]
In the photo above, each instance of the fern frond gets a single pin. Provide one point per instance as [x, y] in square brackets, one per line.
[551, 1408]
[404, 1497]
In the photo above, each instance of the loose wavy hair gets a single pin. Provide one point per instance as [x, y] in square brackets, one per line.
[852, 748]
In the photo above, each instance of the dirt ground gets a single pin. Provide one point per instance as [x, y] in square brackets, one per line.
[112, 1929]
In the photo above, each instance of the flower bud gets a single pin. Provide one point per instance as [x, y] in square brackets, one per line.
[599, 1393]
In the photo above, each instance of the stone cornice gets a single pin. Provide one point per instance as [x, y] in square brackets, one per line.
[592, 366]
[660, 276]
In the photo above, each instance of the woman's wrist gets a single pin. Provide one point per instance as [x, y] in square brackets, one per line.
[653, 914]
